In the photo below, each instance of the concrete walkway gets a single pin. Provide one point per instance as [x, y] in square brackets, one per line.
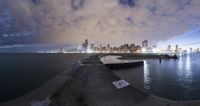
[92, 86]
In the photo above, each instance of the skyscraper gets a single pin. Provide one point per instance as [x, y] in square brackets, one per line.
[169, 48]
[86, 43]
[92, 46]
[176, 49]
[145, 44]
[108, 46]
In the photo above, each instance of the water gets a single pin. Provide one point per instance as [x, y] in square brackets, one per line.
[174, 79]
[22, 73]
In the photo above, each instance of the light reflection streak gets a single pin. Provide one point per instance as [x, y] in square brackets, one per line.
[180, 64]
[184, 72]
[188, 63]
[147, 79]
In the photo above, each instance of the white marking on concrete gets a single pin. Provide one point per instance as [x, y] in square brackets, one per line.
[120, 84]
[45, 102]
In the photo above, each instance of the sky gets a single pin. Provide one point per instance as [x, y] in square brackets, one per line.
[190, 39]
[69, 22]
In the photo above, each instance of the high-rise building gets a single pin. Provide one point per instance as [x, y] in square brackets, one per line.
[108, 46]
[145, 44]
[92, 46]
[83, 46]
[176, 49]
[191, 49]
[86, 42]
[169, 48]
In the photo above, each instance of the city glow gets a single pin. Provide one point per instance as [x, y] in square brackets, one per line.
[155, 50]
[144, 50]
[89, 51]
[188, 51]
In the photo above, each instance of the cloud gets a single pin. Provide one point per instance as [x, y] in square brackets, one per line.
[110, 21]
[77, 4]
[129, 3]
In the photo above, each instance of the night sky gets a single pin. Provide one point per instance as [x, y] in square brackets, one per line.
[69, 22]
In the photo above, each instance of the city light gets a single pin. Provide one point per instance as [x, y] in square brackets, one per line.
[89, 51]
[188, 51]
[91, 47]
[144, 50]
[155, 50]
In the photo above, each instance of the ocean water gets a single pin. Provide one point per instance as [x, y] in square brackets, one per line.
[174, 79]
[22, 73]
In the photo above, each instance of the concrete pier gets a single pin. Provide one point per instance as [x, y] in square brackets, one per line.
[113, 62]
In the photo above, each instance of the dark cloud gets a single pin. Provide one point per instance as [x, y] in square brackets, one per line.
[35, 1]
[127, 3]
[77, 4]
[183, 3]
[153, 7]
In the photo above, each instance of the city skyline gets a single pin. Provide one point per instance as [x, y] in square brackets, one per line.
[83, 47]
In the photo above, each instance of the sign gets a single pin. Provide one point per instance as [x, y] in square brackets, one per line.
[120, 84]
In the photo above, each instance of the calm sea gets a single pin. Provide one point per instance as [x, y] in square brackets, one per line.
[21, 73]
[174, 79]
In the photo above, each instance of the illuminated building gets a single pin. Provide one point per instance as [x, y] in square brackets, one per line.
[92, 46]
[169, 48]
[125, 48]
[191, 50]
[145, 44]
[85, 45]
[176, 49]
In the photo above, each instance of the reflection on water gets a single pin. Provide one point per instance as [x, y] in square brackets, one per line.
[180, 63]
[188, 63]
[174, 79]
[185, 74]
[147, 79]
